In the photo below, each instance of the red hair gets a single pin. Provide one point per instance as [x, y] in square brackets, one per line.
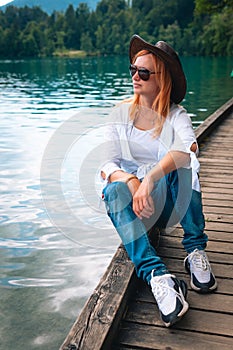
[161, 103]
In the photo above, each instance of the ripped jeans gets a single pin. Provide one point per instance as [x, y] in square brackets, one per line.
[174, 201]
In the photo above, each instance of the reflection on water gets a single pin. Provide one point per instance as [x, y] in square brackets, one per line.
[46, 272]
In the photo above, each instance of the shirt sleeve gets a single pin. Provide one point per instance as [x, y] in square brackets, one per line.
[184, 137]
[112, 150]
[183, 133]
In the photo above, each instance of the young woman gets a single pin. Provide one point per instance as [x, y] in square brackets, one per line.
[151, 175]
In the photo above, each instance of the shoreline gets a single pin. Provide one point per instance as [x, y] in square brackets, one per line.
[74, 54]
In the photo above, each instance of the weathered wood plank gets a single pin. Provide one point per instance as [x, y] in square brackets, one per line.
[218, 210]
[225, 285]
[215, 177]
[195, 320]
[215, 119]
[177, 266]
[213, 246]
[223, 191]
[221, 197]
[216, 203]
[215, 172]
[224, 163]
[218, 218]
[214, 183]
[219, 227]
[103, 308]
[219, 153]
[214, 257]
[217, 301]
[220, 235]
[140, 336]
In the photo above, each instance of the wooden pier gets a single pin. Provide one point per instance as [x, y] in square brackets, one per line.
[122, 314]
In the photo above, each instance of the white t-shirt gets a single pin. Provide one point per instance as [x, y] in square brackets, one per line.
[136, 151]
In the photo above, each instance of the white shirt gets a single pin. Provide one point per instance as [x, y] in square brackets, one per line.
[136, 151]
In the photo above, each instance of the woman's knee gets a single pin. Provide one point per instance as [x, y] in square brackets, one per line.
[116, 190]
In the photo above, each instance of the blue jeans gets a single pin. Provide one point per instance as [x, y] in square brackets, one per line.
[174, 201]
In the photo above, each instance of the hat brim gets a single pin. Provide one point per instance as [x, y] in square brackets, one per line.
[172, 62]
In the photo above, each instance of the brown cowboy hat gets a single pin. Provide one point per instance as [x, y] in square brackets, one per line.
[169, 57]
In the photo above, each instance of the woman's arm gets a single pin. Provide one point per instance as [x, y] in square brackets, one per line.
[171, 161]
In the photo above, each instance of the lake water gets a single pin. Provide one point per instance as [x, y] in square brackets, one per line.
[55, 238]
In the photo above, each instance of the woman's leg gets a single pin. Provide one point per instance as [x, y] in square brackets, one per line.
[184, 205]
[188, 206]
[133, 233]
[169, 292]
[175, 202]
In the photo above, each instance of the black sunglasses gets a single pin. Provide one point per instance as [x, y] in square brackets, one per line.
[143, 73]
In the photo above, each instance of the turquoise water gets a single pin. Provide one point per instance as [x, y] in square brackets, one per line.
[55, 238]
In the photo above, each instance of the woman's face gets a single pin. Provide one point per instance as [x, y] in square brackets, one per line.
[148, 89]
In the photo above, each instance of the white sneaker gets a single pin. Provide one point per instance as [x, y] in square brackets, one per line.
[170, 294]
[202, 277]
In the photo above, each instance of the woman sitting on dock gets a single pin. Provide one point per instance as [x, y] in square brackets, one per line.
[151, 175]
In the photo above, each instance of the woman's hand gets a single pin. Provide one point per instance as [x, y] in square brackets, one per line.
[143, 205]
[133, 185]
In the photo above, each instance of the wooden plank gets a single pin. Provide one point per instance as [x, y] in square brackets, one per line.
[220, 218]
[220, 235]
[104, 308]
[223, 163]
[224, 192]
[217, 203]
[215, 302]
[214, 184]
[225, 285]
[216, 147]
[214, 173]
[219, 227]
[218, 210]
[195, 320]
[215, 119]
[217, 247]
[214, 177]
[177, 266]
[219, 153]
[140, 336]
[214, 257]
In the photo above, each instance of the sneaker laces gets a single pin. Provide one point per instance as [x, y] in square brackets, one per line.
[199, 259]
[161, 289]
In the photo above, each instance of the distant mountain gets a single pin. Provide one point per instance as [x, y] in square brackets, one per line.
[50, 5]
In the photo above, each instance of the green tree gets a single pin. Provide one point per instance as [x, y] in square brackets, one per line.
[217, 35]
[1, 41]
[50, 42]
[72, 38]
[189, 42]
[11, 36]
[191, 26]
[99, 38]
[11, 16]
[111, 29]
[29, 46]
[212, 6]
[92, 27]
[172, 35]
[86, 43]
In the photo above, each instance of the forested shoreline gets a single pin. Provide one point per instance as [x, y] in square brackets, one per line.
[201, 27]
